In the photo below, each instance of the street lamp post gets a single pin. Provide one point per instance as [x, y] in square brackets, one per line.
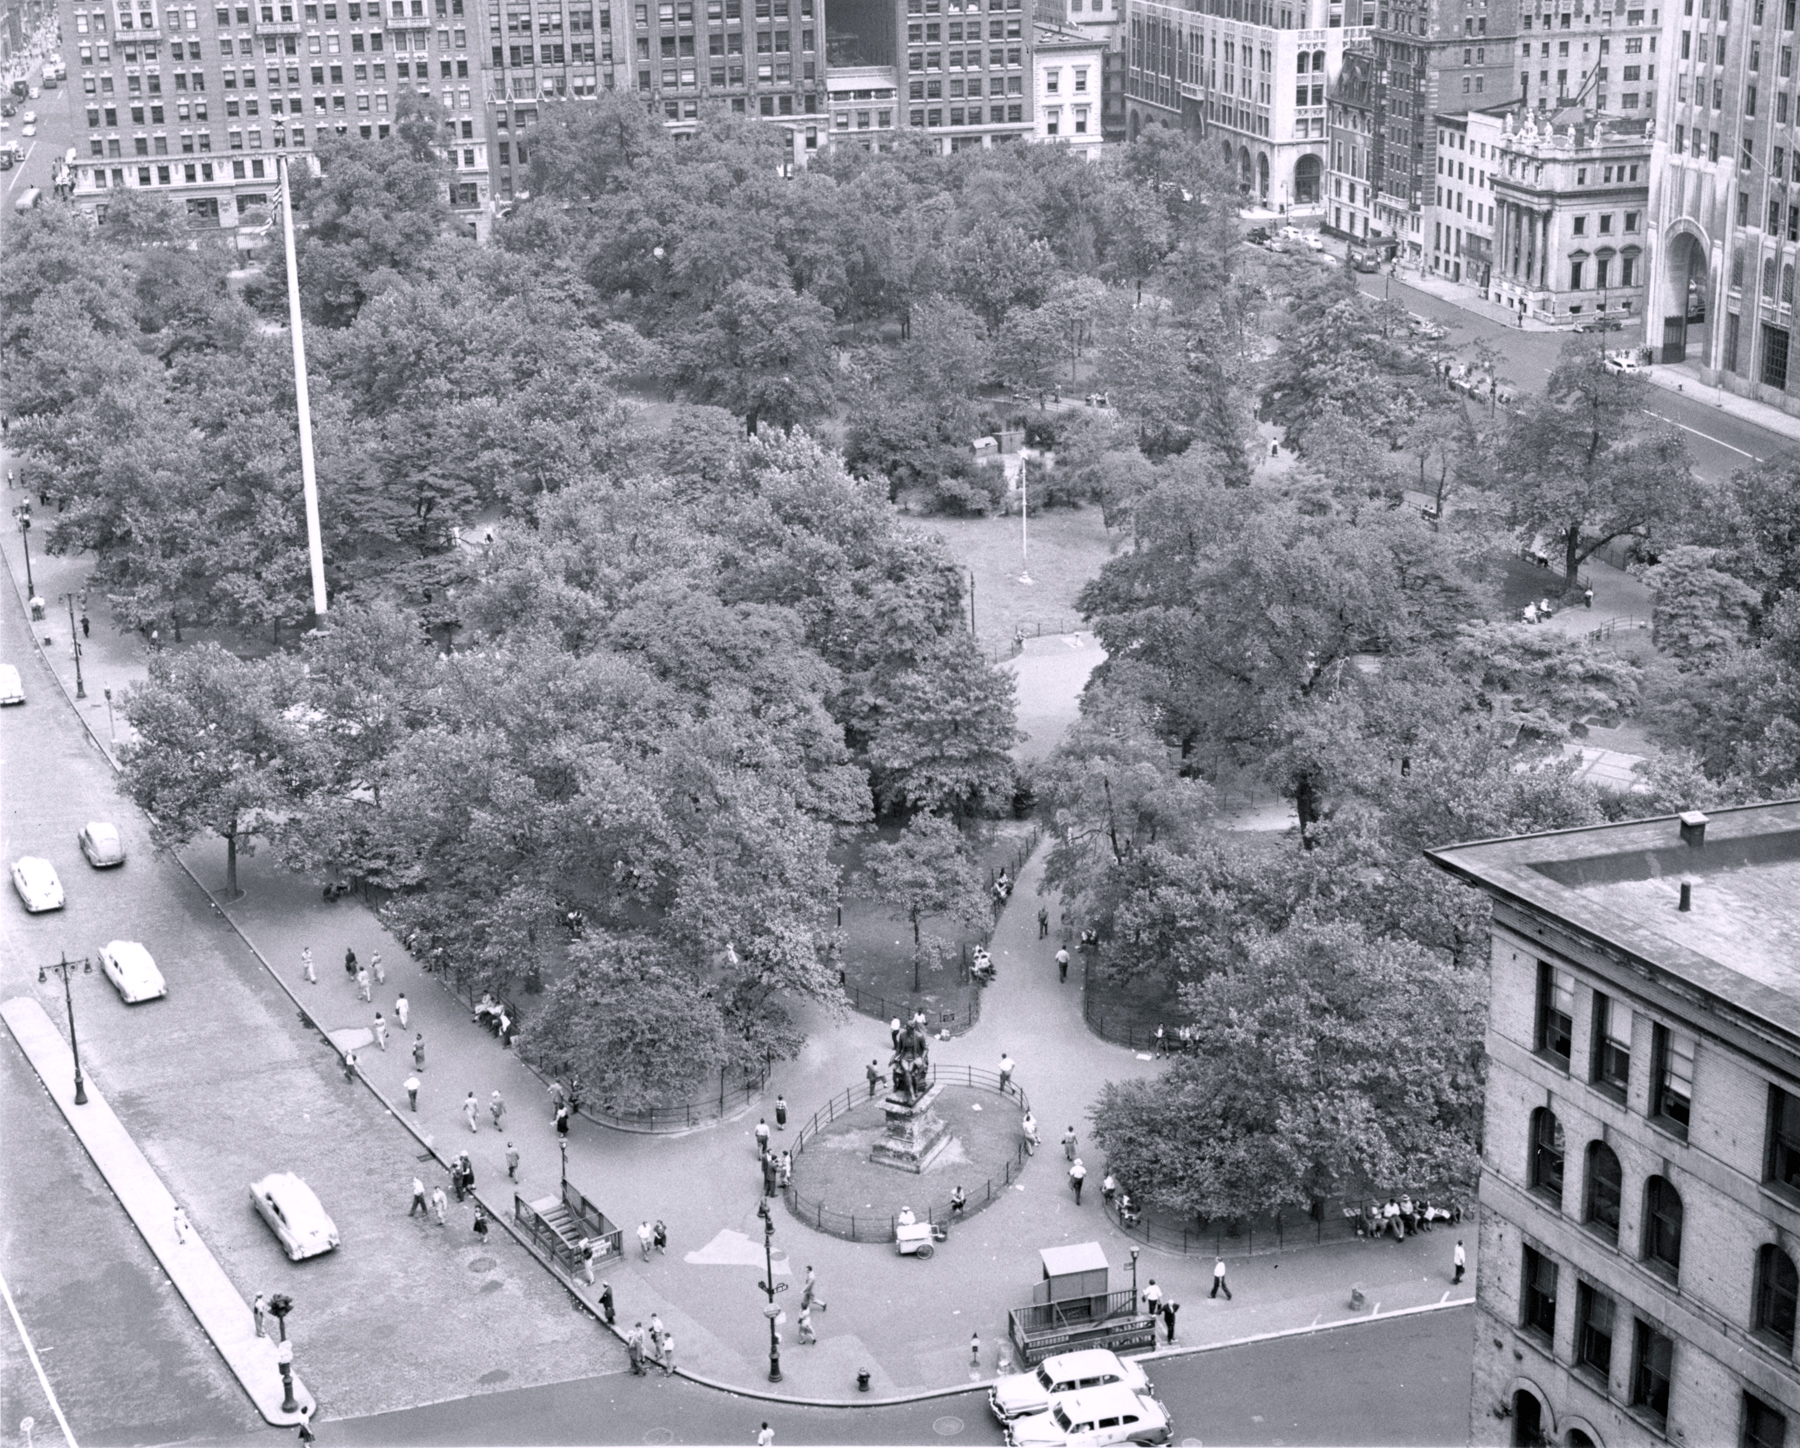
[111, 732]
[1134, 1286]
[62, 968]
[564, 1146]
[770, 1286]
[23, 514]
[75, 634]
[280, 1305]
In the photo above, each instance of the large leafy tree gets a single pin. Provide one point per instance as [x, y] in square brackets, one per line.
[764, 352]
[927, 875]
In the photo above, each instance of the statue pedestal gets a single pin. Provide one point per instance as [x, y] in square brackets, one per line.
[916, 1134]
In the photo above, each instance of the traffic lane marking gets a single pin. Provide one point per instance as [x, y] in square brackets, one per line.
[1707, 435]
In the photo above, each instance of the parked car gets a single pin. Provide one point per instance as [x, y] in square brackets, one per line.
[35, 880]
[132, 971]
[29, 118]
[1311, 238]
[1625, 364]
[1365, 261]
[1018, 1394]
[1257, 236]
[101, 844]
[294, 1214]
[1093, 1418]
[12, 687]
[28, 130]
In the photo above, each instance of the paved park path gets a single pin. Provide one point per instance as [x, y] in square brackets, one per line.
[906, 1322]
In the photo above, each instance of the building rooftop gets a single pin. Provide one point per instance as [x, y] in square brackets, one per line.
[1621, 885]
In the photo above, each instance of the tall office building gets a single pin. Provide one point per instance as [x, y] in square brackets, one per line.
[1640, 1187]
[197, 100]
[1248, 78]
[1724, 212]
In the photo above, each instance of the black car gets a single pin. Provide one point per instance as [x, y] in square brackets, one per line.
[7, 108]
[1257, 236]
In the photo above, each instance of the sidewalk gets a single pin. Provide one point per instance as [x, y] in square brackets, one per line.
[1461, 295]
[1684, 377]
[224, 1315]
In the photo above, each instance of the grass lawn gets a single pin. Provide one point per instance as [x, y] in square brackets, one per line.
[1068, 545]
[835, 1168]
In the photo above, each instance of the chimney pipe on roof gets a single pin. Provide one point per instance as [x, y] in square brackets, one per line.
[1693, 829]
[1687, 896]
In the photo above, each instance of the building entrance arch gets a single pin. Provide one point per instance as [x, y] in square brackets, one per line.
[1262, 177]
[1686, 296]
[1307, 172]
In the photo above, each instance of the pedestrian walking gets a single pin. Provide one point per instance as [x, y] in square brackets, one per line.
[807, 1335]
[1109, 1186]
[456, 1177]
[362, 984]
[809, 1290]
[606, 1302]
[769, 1174]
[874, 1075]
[634, 1348]
[1460, 1261]
[350, 1066]
[418, 1207]
[1161, 1039]
[306, 1434]
[1062, 964]
[1006, 1070]
[1069, 1144]
[402, 1010]
[481, 1221]
[645, 1237]
[1030, 1127]
[765, 1438]
[781, 1113]
[412, 1092]
[84, 617]
[496, 1109]
[471, 1109]
[468, 1172]
[1219, 1283]
[562, 1120]
[587, 1261]
[350, 962]
[1077, 1175]
[656, 1336]
[306, 966]
[258, 1306]
[439, 1203]
[512, 1162]
[762, 1136]
[557, 1096]
[1043, 921]
[375, 968]
[1168, 1317]
[661, 1236]
[1153, 1296]
[1587, 599]
[381, 1030]
[418, 1051]
[667, 1356]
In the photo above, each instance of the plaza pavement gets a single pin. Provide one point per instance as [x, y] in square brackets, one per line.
[907, 1322]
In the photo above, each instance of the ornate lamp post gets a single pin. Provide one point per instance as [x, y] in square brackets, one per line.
[1134, 1286]
[62, 968]
[75, 634]
[23, 514]
[281, 1305]
[770, 1286]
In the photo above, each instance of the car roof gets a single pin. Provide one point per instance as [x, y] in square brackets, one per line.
[9, 672]
[101, 830]
[34, 865]
[1077, 1364]
[129, 952]
[1102, 1401]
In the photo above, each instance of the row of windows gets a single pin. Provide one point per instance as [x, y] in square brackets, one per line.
[996, 116]
[933, 33]
[1672, 1054]
[1757, 11]
[923, 60]
[1659, 1246]
[1600, 1317]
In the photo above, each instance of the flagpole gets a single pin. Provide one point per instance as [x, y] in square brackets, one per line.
[308, 478]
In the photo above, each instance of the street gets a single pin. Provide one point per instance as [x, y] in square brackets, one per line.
[1400, 1382]
[1719, 442]
[55, 134]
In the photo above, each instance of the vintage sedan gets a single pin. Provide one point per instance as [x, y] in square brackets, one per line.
[1094, 1418]
[1021, 1393]
[12, 687]
[101, 844]
[132, 971]
[293, 1213]
[35, 880]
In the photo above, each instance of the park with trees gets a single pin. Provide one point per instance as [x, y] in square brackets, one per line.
[634, 644]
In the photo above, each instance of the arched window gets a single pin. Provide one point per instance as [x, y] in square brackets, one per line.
[1605, 1190]
[1546, 1167]
[1777, 1289]
[1787, 286]
[1662, 1226]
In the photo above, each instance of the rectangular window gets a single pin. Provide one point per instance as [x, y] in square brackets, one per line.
[1672, 1060]
[1783, 1163]
[1775, 357]
[1593, 1330]
[1539, 1297]
[1556, 988]
[1612, 1032]
[1764, 1426]
[1652, 1360]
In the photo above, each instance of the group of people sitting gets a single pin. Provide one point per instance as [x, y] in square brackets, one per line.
[981, 964]
[1400, 1217]
[496, 1017]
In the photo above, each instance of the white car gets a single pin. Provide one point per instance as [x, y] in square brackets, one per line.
[28, 118]
[1021, 1393]
[131, 970]
[28, 130]
[293, 1213]
[1312, 240]
[36, 882]
[12, 687]
[1094, 1418]
[1623, 363]
[101, 844]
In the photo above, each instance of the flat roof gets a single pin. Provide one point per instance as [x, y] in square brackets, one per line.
[1621, 885]
[1080, 1257]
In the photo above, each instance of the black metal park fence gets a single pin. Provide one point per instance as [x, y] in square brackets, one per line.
[1334, 1219]
[869, 1226]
